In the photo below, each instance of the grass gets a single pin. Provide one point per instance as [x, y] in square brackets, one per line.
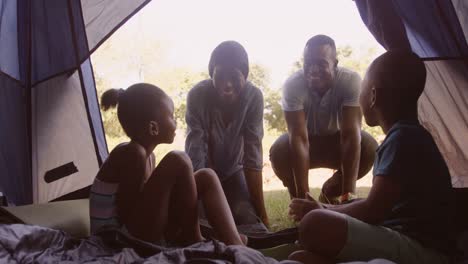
[277, 205]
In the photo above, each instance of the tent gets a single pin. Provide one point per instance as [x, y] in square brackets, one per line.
[51, 135]
[436, 30]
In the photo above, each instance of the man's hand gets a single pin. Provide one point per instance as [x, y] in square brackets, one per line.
[350, 147]
[299, 146]
[300, 207]
[265, 220]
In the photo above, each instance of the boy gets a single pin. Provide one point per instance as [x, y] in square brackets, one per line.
[406, 217]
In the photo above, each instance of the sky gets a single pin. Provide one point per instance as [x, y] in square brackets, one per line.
[273, 32]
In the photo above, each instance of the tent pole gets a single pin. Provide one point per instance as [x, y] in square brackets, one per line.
[29, 97]
[83, 88]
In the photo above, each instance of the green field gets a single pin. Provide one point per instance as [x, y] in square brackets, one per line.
[277, 203]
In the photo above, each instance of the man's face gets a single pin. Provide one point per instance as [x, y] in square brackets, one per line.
[367, 100]
[229, 83]
[319, 66]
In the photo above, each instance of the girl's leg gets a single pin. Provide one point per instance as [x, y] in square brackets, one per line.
[171, 181]
[216, 206]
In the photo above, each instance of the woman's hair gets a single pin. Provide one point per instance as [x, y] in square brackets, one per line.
[229, 53]
[135, 106]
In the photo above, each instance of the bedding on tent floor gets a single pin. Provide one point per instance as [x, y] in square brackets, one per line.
[59, 231]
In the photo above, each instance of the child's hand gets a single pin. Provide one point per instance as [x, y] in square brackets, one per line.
[300, 207]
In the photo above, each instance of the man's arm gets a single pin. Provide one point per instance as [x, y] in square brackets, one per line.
[253, 157]
[299, 147]
[350, 146]
[195, 143]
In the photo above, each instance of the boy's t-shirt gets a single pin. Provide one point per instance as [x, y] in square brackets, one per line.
[410, 156]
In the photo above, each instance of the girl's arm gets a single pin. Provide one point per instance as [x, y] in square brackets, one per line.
[131, 168]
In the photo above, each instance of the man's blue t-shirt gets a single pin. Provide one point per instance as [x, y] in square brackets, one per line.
[411, 158]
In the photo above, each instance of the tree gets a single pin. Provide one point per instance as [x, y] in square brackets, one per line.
[260, 76]
[177, 83]
[273, 115]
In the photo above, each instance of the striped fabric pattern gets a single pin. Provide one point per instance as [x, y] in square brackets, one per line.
[102, 205]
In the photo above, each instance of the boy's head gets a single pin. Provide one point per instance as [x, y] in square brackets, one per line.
[392, 86]
[229, 68]
[144, 111]
[320, 62]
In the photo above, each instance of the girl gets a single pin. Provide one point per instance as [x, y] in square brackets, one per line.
[155, 203]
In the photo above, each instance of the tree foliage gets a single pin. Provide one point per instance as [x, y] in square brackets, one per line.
[260, 76]
[112, 62]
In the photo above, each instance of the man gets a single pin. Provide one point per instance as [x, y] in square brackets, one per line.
[225, 130]
[407, 217]
[321, 108]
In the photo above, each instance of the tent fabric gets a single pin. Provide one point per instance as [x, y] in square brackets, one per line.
[93, 110]
[383, 22]
[59, 123]
[450, 105]
[102, 17]
[9, 64]
[14, 151]
[432, 27]
[435, 30]
[52, 140]
[461, 7]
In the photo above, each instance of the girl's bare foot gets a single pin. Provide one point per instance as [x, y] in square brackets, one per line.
[244, 239]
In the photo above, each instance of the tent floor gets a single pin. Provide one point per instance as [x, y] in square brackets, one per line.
[71, 216]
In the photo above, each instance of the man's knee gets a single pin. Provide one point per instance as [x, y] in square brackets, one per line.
[279, 155]
[368, 142]
[368, 148]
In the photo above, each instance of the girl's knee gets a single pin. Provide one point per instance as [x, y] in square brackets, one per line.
[206, 178]
[179, 160]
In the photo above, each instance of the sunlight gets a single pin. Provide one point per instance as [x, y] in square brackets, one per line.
[273, 32]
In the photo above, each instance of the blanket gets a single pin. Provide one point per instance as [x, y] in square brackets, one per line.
[21, 243]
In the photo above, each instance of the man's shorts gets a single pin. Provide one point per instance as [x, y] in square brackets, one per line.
[366, 242]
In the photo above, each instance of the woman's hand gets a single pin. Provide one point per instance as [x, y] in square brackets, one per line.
[298, 208]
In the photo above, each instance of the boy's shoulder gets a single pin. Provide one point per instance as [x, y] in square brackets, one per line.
[407, 131]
